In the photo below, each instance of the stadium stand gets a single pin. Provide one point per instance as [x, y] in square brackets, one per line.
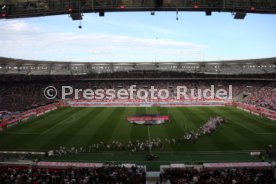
[231, 176]
[263, 97]
[22, 85]
[20, 96]
[101, 175]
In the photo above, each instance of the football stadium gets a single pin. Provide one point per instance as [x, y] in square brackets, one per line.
[142, 111]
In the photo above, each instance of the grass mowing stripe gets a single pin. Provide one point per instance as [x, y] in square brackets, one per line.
[197, 118]
[94, 123]
[123, 129]
[38, 140]
[219, 138]
[51, 121]
[191, 121]
[33, 123]
[247, 138]
[172, 128]
[133, 129]
[226, 132]
[139, 132]
[27, 141]
[85, 122]
[105, 131]
[158, 131]
[58, 123]
[83, 133]
[64, 135]
[263, 124]
[54, 121]
[261, 120]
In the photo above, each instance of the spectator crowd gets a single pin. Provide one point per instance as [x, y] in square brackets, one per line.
[18, 95]
[219, 176]
[101, 175]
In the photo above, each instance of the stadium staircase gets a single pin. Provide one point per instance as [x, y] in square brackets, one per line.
[242, 96]
[152, 177]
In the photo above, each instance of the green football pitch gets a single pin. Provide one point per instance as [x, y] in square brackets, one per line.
[82, 127]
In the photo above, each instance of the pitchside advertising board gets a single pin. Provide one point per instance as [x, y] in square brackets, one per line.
[145, 104]
[259, 111]
[14, 119]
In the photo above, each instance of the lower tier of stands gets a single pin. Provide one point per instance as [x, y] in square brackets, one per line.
[84, 173]
[70, 173]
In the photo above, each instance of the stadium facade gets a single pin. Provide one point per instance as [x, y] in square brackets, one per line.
[231, 67]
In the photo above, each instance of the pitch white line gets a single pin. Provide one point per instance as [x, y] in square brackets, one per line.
[148, 133]
[245, 127]
[267, 133]
[46, 131]
[268, 124]
[70, 120]
[20, 133]
[149, 139]
[65, 121]
[189, 152]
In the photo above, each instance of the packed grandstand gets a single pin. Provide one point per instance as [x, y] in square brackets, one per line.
[253, 81]
[23, 99]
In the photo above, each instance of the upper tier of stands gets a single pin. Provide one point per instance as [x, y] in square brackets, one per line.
[19, 93]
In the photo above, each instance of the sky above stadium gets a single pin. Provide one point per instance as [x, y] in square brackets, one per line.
[123, 37]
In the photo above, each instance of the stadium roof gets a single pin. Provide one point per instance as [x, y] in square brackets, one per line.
[34, 8]
[31, 67]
